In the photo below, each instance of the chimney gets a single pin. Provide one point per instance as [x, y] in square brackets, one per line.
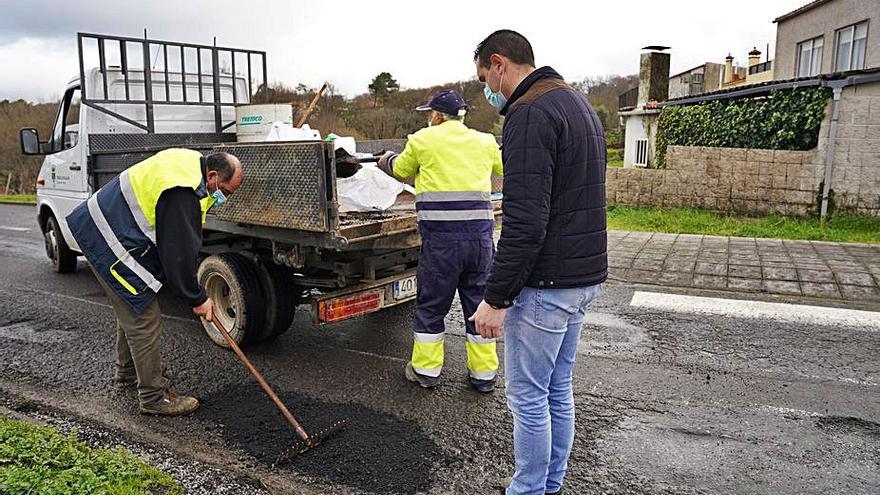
[754, 57]
[728, 68]
[653, 75]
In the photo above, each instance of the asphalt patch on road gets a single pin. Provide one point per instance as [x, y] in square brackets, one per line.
[842, 424]
[375, 452]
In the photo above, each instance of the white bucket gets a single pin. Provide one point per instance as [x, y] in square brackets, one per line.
[254, 122]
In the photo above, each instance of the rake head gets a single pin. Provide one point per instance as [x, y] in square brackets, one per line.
[309, 443]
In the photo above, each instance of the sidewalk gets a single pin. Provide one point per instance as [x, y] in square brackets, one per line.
[775, 266]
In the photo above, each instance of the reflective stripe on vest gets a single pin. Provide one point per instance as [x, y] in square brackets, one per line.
[136, 211]
[453, 206]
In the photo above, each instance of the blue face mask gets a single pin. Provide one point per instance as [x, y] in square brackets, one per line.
[495, 98]
[219, 197]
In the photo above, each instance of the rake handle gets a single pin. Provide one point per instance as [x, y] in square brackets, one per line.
[266, 388]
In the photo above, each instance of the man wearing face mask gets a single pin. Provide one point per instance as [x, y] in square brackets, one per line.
[453, 167]
[143, 231]
[552, 254]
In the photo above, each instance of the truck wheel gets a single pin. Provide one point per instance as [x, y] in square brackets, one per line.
[63, 259]
[281, 299]
[232, 283]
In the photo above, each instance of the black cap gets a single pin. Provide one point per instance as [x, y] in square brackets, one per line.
[446, 101]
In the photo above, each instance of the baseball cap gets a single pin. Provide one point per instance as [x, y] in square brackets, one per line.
[446, 101]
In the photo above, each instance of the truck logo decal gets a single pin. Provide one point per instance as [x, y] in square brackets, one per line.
[251, 120]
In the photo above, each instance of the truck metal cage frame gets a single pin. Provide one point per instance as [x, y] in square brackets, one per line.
[146, 45]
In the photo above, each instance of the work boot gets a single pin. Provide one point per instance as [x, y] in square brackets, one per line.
[481, 386]
[171, 404]
[422, 380]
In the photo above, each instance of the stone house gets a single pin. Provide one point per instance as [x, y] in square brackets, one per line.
[701, 79]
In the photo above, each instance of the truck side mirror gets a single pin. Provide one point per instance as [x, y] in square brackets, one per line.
[30, 141]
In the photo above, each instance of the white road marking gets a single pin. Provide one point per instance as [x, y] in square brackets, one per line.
[15, 229]
[738, 308]
[373, 354]
[818, 378]
[787, 411]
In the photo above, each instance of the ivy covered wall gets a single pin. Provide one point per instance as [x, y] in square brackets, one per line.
[787, 119]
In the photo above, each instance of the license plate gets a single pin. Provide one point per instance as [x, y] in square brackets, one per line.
[405, 288]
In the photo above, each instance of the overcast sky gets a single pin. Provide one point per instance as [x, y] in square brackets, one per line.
[420, 43]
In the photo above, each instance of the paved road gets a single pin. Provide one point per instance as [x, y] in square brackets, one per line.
[667, 401]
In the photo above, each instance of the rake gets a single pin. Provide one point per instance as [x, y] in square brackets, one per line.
[306, 441]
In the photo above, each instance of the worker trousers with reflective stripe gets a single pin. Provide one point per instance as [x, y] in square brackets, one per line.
[447, 264]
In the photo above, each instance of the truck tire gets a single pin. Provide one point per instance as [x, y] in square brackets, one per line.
[281, 299]
[231, 281]
[63, 259]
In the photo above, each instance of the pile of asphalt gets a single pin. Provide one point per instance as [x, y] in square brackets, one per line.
[375, 452]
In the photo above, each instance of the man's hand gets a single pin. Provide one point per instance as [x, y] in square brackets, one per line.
[205, 310]
[489, 321]
[385, 162]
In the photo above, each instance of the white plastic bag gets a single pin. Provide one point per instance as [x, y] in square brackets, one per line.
[286, 132]
[369, 189]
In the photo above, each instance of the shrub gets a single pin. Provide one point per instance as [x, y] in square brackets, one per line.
[788, 119]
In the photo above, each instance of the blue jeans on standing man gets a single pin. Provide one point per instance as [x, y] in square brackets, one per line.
[541, 333]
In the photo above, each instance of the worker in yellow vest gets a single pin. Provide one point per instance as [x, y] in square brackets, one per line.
[453, 168]
[139, 232]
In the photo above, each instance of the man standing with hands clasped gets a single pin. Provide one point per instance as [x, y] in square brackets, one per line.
[552, 255]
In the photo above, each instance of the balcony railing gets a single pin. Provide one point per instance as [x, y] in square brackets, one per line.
[762, 67]
[629, 99]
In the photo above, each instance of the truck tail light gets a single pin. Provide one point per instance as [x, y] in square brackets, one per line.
[349, 306]
[41, 182]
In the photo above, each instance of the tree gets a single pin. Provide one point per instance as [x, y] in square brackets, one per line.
[604, 116]
[382, 86]
[602, 91]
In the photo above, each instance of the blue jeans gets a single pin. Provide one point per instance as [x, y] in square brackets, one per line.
[541, 333]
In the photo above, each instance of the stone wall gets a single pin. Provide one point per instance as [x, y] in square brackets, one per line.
[767, 181]
[725, 179]
[855, 179]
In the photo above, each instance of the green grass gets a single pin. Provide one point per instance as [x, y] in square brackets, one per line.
[840, 228]
[18, 198]
[39, 459]
[615, 163]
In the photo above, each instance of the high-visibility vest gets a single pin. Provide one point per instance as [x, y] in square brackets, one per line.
[116, 227]
[453, 166]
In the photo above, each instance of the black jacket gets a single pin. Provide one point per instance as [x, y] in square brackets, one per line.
[554, 230]
[179, 240]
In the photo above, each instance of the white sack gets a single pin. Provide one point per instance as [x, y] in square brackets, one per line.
[369, 189]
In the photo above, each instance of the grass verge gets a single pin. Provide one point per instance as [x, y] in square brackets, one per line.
[39, 459]
[18, 198]
[840, 228]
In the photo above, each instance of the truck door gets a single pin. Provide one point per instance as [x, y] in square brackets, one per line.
[64, 167]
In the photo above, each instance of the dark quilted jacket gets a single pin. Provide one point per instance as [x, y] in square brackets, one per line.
[553, 233]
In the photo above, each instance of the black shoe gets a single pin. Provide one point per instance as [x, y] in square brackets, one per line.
[422, 380]
[481, 386]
